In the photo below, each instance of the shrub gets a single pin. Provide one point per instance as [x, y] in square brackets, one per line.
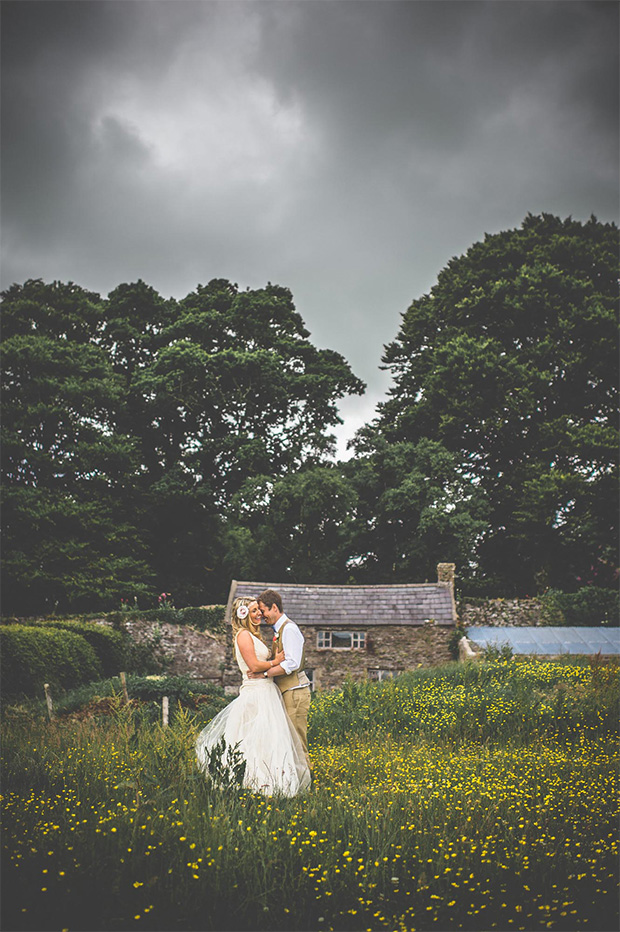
[205, 619]
[590, 606]
[145, 657]
[145, 688]
[110, 646]
[492, 652]
[460, 631]
[177, 687]
[204, 700]
[34, 655]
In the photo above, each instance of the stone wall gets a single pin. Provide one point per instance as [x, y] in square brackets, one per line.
[208, 657]
[184, 650]
[390, 649]
[500, 612]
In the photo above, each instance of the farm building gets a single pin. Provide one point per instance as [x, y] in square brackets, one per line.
[370, 632]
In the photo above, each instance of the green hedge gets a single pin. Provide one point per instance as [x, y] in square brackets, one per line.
[205, 619]
[109, 646]
[589, 606]
[33, 655]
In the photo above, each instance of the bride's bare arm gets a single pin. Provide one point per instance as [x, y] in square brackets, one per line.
[246, 647]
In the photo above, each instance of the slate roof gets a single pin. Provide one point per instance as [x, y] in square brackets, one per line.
[549, 641]
[412, 604]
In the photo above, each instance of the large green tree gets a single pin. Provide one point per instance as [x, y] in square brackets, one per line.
[510, 364]
[130, 425]
[230, 391]
[414, 509]
[298, 527]
[67, 537]
[239, 390]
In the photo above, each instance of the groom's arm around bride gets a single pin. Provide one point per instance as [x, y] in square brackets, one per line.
[289, 675]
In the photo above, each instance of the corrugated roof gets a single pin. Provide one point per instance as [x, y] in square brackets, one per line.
[412, 604]
[529, 640]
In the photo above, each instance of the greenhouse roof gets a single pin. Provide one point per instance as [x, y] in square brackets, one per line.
[549, 641]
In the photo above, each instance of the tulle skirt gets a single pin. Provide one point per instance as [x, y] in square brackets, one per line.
[256, 721]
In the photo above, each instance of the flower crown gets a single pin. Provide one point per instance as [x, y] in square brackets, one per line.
[242, 612]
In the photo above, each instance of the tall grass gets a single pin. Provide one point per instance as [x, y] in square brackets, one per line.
[430, 810]
[503, 701]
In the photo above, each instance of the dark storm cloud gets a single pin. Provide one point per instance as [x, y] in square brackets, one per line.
[346, 149]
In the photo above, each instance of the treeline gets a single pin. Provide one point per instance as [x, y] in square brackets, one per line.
[155, 444]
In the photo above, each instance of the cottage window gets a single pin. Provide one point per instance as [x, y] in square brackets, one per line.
[341, 640]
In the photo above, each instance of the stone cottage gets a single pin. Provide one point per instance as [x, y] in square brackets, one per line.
[370, 632]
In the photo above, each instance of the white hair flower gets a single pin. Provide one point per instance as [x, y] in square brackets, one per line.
[242, 612]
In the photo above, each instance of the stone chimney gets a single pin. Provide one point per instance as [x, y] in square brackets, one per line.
[445, 573]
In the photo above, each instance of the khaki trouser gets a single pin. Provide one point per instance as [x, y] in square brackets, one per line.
[297, 705]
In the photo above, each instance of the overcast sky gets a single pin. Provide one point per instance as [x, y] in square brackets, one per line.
[343, 148]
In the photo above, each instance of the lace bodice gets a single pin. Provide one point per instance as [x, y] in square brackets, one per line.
[261, 649]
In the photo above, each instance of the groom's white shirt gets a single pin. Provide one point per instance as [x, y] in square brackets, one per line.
[292, 645]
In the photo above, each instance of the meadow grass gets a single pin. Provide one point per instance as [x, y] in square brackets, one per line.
[465, 797]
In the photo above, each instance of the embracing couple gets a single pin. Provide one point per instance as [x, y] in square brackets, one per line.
[268, 721]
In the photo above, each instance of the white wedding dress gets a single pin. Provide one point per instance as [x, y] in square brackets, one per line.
[257, 722]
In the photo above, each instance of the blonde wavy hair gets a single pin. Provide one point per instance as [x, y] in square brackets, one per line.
[239, 623]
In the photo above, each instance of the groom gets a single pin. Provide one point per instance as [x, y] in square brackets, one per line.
[289, 675]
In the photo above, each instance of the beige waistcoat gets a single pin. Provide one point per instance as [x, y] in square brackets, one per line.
[297, 677]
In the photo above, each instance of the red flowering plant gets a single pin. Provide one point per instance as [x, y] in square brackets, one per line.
[165, 600]
[129, 605]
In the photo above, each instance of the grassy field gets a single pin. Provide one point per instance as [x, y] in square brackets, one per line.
[471, 797]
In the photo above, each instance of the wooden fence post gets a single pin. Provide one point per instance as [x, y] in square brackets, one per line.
[48, 699]
[124, 685]
[164, 711]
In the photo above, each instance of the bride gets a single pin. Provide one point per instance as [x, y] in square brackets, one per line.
[256, 720]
